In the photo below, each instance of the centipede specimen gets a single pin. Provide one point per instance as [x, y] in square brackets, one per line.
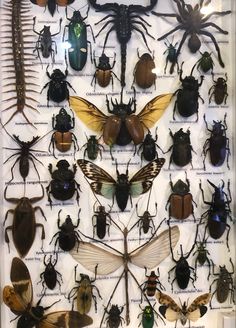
[17, 43]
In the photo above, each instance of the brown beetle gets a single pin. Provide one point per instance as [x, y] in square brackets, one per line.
[24, 225]
[218, 90]
[143, 71]
[181, 200]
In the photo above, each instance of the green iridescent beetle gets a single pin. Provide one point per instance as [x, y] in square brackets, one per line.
[77, 40]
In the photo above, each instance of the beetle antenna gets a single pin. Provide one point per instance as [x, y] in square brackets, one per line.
[212, 184]
[121, 96]
[127, 169]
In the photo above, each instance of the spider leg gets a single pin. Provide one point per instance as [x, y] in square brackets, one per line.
[215, 44]
[178, 27]
[220, 13]
[178, 50]
[215, 26]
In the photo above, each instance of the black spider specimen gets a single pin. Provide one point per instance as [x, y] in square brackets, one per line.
[194, 23]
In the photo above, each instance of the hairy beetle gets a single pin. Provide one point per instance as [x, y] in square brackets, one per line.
[77, 39]
[92, 148]
[182, 268]
[57, 86]
[217, 144]
[152, 283]
[218, 90]
[144, 76]
[101, 221]
[181, 149]
[63, 185]
[148, 146]
[63, 138]
[24, 225]
[114, 318]
[49, 275]
[45, 43]
[171, 56]
[180, 200]
[224, 284]
[52, 4]
[103, 74]
[202, 257]
[218, 211]
[187, 97]
[83, 293]
[67, 236]
[205, 63]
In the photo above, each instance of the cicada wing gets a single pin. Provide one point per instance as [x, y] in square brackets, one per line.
[155, 251]
[89, 114]
[94, 172]
[65, 319]
[91, 256]
[149, 171]
[197, 308]
[169, 309]
[154, 109]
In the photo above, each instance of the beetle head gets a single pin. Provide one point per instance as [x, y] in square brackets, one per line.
[190, 83]
[62, 164]
[104, 60]
[77, 18]
[57, 75]
[121, 109]
[181, 136]
[218, 128]
[114, 310]
[146, 57]
[68, 220]
[221, 82]
[181, 187]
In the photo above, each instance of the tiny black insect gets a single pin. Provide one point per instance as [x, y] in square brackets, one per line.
[92, 148]
[49, 276]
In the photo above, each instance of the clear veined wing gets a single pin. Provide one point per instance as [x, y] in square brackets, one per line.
[155, 251]
[90, 256]
[149, 171]
[94, 172]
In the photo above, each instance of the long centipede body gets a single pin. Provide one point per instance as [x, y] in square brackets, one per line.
[17, 43]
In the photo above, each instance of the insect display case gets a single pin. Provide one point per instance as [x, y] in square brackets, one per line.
[118, 174]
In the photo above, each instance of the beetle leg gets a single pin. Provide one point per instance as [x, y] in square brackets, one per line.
[7, 240]
[38, 225]
[9, 211]
[227, 236]
[209, 265]
[39, 208]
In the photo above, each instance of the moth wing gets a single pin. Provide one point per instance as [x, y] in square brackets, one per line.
[94, 172]
[65, 319]
[198, 313]
[167, 300]
[90, 256]
[13, 300]
[89, 114]
[149, 171]
[154, 109]
[197, 308]
[170, 310]
[168, 313]
[156, 250]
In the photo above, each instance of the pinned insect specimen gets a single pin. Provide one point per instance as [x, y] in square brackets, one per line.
[52, 4]
[92, 148]
[148, 317]
[101, 221]
[45, 43]
[148, 255]
[193, 22]
[83, 293]
[149, 147]
[114, 318]
[144, 76]
[152, 284]
[67, 237]
[205, 63]
[24, 225]
[123, 126]
[103, 184]
[19, 299]
[202, 256]
[124, 20]
[219, 90]
[49, 276]
[171, 55]
[19, 51]
[172, 312]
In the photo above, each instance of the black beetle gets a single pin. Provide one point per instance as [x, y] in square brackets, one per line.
[218, 211]
[67, 237]
[63, 138]
[150, 285]
[181, 149]
[144, 76]
[45, 42]
[224, 284]
[180, 200]
[187, 97]
[103, 74]
[205, 63]
[24, 225]
[171, 56]
[83, 293]
[148, 146]
[92, 148]
[63, 185]
[57, 86]
[49, 275]
[101, 221]
[114, 318]
[202, 256]
[218, 143]
[219, 90]
[182, 268]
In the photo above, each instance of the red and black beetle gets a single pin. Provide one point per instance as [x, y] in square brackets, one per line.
[52, 4]
[63, 138]
[143, 71]
[181, 200]
[150, 285]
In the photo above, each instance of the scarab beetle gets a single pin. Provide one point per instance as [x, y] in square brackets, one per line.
[205, 63]
[144, 76]
[187, 96]
[114, 318]
[224, 284]
[63, 138]
[49, 276]
[181, 149]
[63, 184]
[57, 86]
[149, 147]
[147, 317]
[180, 200]
[101, 221]
[103, 74]
[217, 144]
[67, 236]
[92, 148]
[219, 90]
[218, 211]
